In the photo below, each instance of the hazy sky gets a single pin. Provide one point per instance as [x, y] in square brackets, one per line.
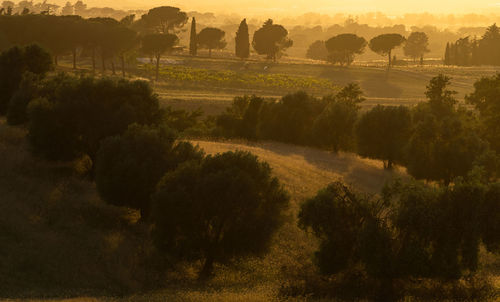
[325, 6]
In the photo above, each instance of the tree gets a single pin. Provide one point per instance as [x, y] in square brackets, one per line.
[344, 47]
[211, 38]
[335, 215]
[14, 62]
[17, 112]
[67, 10]
[271, 40]
[227, 206]
[317, 51]
[165, 19]
[385, 43]
[485, 100]
[416, 45]
[334, 127]
[383, 133]
[130, 165]
[73, 115]
[444, 145]
[290, 119]
[242, 41]
[447, 56]
[158, 44]
[193, 41]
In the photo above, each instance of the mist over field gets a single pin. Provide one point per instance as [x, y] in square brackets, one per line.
[249, 151]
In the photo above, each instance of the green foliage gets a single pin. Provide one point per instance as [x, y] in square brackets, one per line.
[334, 127]
[76, 114]
[184, 76]
[335, 215]
[242, 118]
[242, 41]
[344, 47]
[129, 166]
[290, 119]
[227, 206]
[271, 40]
[211, 38]
[14, 63]
[444, 145]
[383, 132]
[485, 100]
[17, 113]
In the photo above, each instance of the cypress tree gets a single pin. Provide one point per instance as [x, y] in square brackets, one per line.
[193, 45]
[242, 41]
[447, 55]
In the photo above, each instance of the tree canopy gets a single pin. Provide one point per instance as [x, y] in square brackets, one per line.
[228, 205]
[385, 43]
[271, 40]
[344, 47]
[211, 38]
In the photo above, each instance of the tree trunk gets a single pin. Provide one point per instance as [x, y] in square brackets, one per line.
[113, 66]
[390, 58]
[144, 213]
[55, 60]
[103, 65]
[93, 60]
[157, 67]
[123, 64]
[390, 164]
[74, 58]
[207, 269]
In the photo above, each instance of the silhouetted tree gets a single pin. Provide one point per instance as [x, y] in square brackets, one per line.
[74, 115]
[158, 44]
[211, 38]
[344, 47]
[271, 40]
[385, 43]
[14, 63]
[193, 40]
[383, 133]
[416, 45]
[242, 41]
[130, 165]
[18, 105]
[67, 9]
[443, 145]
[447, 55]
[227, 206]
[334, 127]
[164, 19]
[485, 100]
[317, 51]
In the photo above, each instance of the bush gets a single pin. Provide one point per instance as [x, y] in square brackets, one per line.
[224, 207]
[129, 166]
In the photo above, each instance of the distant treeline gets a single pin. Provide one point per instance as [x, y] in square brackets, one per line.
[473, 51]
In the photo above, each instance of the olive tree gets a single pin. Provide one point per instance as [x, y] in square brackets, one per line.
[226, 206]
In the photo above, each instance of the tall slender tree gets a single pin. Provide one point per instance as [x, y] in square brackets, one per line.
[447, 59]
[242, 41]
[193, 44]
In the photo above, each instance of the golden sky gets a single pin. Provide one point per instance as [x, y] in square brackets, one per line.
[325, 6]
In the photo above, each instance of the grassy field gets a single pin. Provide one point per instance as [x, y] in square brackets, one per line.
[397, 86]
[54, 239]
